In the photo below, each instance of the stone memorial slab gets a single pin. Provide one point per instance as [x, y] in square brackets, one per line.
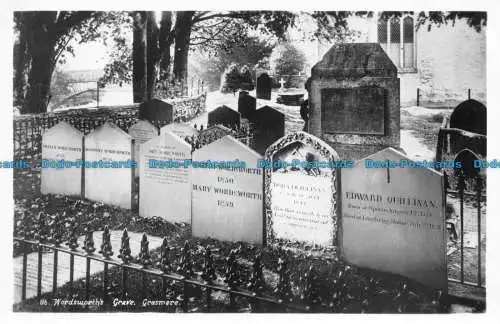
[225, 116]
[264, 86]
[393, 219]
[62, 143]
[228, 202]
[141, 132]
[346, 111]
[269, 126]
[246, 104]
[111, 146]
[354, 100]
[165, 188]
[156, 110]
[179, 129]
[470, 115]
[301, 201]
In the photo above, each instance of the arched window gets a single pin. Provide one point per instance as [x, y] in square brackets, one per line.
[397, 36]
[408, 42]
[382, 31]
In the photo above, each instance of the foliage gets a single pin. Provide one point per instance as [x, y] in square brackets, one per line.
[211, 66]
[287, 59]
[231, 80]
[246, 80]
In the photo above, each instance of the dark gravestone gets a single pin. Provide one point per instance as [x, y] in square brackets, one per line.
[466, 157]
[470, 115]
[354, 100]
[264, 84]
[156, 109]
[246, 104]
[224, 115]
[346, 111]
[269, 126]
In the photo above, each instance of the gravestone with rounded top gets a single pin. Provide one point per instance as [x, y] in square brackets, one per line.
[470, 116]
[228, 201]
[264, 85]
[301, 191]
[165, 184]
[141, 132]
[60, 144]
[109, 176]
[393, 218]
[354, 100]
[225, 116]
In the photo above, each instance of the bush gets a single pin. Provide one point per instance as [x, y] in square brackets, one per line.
[246, 79]
[231, 80]
[286, 59]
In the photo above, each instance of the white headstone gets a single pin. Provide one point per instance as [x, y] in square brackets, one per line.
[165, 190]
[181, 130]
[228, 203]
[111, 185]
[141, 132]
[62, 143]
[393, 219]
[301, 202]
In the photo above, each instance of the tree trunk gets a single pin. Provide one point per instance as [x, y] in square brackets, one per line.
[165, 40]
[152, 53]
[183, 28]
[139, 57]
[21, 60]
[41, 48]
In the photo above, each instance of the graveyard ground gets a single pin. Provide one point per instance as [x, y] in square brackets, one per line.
[419, 123]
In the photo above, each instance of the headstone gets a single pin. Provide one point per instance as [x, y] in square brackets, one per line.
[179, 129]
[165, 184]
[156, 110]
[227, 202]
[141, 132]
[467, 159]
[246, 104]
[109, 145]
[393, 218]
[269, 126]
[301, 201]
[62, 143]
[225, 116]
[470, 115]
[264, 86]
[354, 100]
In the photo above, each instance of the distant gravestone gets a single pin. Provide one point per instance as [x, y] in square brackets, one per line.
[393, 219]
[354, 100]
[470, 115]
[269, 126]
[246, 104]
[62, 143]
[181, 130]
[156, 110]
[109, 145]
[225, 116]
[227, 202]
[264, 85]
[165, 187]
[141, 132]
[301, 201]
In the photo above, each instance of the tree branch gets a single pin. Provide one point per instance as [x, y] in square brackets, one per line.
[70, 20]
